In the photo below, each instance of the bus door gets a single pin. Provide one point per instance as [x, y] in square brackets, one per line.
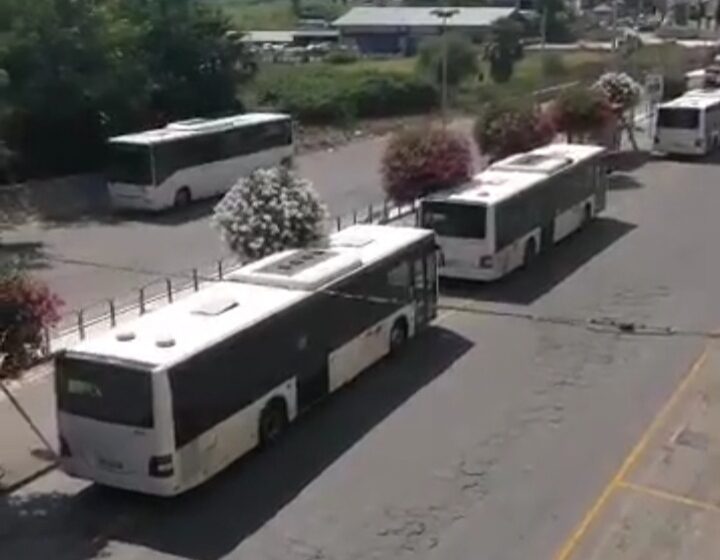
[424, 271]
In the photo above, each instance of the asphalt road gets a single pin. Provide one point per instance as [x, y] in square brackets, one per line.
[487, 439]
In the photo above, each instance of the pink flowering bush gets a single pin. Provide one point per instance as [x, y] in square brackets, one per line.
[422, 160]
[27, 307]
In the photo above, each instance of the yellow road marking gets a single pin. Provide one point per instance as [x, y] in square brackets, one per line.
[669, 496]
[572, 542]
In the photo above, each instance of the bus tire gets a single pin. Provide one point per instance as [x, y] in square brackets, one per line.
[398, 335]
[183, 198]
[287, 162]
[273, 421]
[530, 252]
[587, 214]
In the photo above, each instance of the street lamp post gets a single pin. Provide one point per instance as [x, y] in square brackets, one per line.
[444, 14]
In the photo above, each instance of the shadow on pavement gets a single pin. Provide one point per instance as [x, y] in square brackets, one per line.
[198, 210]
[623, 182]
[29, 255]
[211, 521]
[550, 269]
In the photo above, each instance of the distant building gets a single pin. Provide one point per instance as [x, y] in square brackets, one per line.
[296, 38]
[398, 30]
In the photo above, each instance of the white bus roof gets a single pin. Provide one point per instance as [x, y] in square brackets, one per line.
[514, 174]
[254, 292]
[694, 99]
[196, 127]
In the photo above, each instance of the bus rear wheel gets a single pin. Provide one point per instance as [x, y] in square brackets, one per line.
[273, 421]
[183, 198]
[398, 335]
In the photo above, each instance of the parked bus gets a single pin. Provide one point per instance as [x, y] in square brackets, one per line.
[689, 124]
[516, 208]
[193, 159]
[165, 402]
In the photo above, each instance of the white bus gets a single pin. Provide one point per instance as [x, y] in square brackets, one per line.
[193, 159]
[516, 208]
[689, 124]
[164, 403]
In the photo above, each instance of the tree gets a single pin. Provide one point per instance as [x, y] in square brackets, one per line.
[557, 20]
[271, 210]
[117, 65]
[421, 160]
[503, 49]
[27, 307]
[581, 111]
[461, 59]
[506, 128]
[296, 7]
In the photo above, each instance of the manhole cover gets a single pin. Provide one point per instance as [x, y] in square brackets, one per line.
[693, 439]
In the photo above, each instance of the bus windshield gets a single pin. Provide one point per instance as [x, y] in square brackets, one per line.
[455, 220]
[106, 392]
[129, 163]
[678, 118]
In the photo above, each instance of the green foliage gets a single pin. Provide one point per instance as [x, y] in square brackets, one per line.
[116, 65]
[421, 160]
[504, 49]
[557, 20]
[553, 66]
[340, 56]
[462, 59]
[326, 95]
[504, 128]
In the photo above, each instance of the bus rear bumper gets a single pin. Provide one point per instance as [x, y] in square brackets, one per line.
[133, 483]
[470, 273]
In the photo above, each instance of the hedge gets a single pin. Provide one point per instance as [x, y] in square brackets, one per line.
[325, 95]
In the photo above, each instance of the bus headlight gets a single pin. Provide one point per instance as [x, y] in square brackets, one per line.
[161, 466]
[486, 261]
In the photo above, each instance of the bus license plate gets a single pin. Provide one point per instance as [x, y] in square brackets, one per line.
[109, 464]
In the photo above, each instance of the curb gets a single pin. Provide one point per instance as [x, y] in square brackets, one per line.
[23, 481]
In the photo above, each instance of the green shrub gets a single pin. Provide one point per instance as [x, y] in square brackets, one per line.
[341, 57]
[673, 86]
[325, 95]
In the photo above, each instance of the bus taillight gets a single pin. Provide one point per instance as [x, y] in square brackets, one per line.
[161, 466]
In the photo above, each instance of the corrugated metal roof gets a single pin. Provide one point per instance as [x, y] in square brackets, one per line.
[419, 17]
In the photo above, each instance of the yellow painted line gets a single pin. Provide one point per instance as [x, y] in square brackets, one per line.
[577, 535]
[669, 496]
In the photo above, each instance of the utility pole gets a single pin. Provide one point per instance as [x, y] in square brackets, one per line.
[444, 14]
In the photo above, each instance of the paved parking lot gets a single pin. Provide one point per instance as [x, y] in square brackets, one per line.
[490, 438]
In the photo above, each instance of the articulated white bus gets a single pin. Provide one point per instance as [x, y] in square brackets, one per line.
[198, 158]
[164, 403]
[689, 124]
[516, 208]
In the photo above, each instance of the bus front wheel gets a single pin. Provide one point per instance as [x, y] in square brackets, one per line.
[273, 421]
[183, 198]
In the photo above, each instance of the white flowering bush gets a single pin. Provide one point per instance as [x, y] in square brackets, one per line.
[269, 211]
[621, 90]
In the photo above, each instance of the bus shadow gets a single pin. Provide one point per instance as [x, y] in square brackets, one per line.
[523, 287]
[211, 521]
[197, 210]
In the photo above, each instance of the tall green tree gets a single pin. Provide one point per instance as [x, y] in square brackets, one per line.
[462, 58]
[80, 70]
[503, 49]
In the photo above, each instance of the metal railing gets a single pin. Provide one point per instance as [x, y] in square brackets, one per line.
[77, 325]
